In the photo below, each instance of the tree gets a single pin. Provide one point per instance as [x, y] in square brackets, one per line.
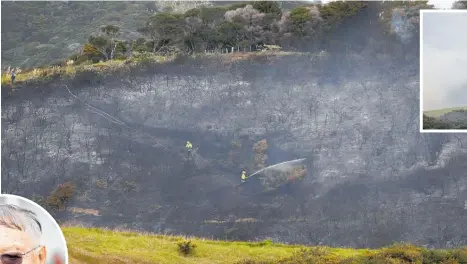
[60, 196]
[252, 20]
[193, 25]
[121, 48]
[193, 12]
[300, 17]
[231, 34]
[112, 32]
[92, 53]
[101, 44]
[164, 29]
[212, 16]
[267, 7]
[141, 45]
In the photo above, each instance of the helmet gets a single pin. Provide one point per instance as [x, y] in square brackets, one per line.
[243, 171]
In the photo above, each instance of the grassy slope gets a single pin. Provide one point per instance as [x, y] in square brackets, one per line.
[109, 66]
[440, 112]
[105, 246]
[38, 74]
[92, 245]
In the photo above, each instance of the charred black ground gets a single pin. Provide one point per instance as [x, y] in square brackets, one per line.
[372, 178]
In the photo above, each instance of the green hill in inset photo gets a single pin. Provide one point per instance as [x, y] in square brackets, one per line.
[447, 118]
[440, 112]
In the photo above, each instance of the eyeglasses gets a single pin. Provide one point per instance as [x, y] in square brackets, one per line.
[15, 258]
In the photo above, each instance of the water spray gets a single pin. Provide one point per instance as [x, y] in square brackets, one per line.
[280, 166]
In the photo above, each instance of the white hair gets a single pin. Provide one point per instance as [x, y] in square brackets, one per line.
[15, 217]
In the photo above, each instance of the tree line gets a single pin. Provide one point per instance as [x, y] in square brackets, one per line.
[437, 123]
[242, 26]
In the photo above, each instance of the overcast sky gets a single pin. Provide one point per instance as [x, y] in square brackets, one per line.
[52, 236]
[441, 4]
[444, 60]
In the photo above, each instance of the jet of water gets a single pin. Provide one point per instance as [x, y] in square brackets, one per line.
[286, 165]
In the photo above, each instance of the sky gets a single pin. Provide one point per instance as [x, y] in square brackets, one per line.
[54, 238]
[444, 60]
[439, 4]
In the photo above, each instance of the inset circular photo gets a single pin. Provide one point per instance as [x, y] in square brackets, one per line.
[29, 234]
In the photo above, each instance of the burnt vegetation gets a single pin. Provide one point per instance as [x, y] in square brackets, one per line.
[348, 103]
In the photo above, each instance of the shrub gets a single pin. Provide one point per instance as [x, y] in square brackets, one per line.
[6, 78]
[130, 186]
[40, 200]
[435, 256]
[74, 56]
[120, 57]
[265, 242]
[92, 53]
[407, 253]
[312, 255]
[59, 198]
[80, 59]
[186, 247]
[461, 255]
[236, 144]
[260, 146]
[377, 260]
[296, 173]
[451, 261]
[101, 184]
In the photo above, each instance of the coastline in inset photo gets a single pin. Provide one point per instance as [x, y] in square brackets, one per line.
[29, 234]
[443, 66]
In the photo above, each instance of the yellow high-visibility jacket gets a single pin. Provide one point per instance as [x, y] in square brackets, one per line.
[188, 145]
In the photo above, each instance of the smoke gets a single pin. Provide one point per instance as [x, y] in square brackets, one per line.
[459, 5]
[403, 23]
[444, 44]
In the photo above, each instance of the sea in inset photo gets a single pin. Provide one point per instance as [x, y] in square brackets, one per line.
[29, 234]
[444, 69]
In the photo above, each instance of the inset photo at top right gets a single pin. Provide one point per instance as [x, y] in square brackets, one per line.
[443, 71]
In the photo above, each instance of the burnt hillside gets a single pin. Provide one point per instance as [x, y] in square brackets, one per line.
[372, 178]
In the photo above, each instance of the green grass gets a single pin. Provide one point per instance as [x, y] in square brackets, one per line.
[93, 245]
[103, 246]
[440, 112]
[70, 71]
[108, 67]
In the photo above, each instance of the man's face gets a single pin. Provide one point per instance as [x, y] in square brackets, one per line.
[14, 242]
